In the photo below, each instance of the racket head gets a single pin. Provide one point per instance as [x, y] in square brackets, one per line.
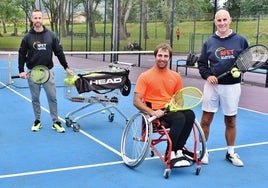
[39, 74]
[252, 58]
[185, 98]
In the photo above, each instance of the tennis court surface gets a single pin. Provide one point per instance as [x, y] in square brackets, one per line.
[91, 157]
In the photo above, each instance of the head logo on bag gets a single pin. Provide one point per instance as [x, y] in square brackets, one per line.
[104, 81]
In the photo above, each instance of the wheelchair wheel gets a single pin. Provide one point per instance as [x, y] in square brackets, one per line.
[196, 144]
[136, 140]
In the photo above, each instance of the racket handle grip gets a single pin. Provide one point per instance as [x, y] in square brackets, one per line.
[12, 77]
[221, 75]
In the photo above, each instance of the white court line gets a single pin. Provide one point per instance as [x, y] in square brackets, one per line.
[263, 113]
[103, 144]
[240, 146]
[105, 164]
[59, 169]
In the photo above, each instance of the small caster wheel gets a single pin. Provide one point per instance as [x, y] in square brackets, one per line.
[167, 173]
[197, 171]
[68, 122]
[76, 127]
[152, 154]
[111, 117]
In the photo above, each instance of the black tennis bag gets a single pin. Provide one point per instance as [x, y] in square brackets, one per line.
[97, 81]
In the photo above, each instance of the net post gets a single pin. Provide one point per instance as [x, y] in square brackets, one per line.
[9, 68]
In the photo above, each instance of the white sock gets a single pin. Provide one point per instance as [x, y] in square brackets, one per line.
[231, 150]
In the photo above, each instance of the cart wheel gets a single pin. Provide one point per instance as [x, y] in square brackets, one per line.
[197, 170]
[111, 117]
[167, 173]
[68, 122]
[152, 153]
[76, 127]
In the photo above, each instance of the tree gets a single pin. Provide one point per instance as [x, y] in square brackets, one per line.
[27, 6]
[10, 12]
[144, 14]
[247, 7]
[52, 9]
[70, 11]
[126, 6]
[90, 8]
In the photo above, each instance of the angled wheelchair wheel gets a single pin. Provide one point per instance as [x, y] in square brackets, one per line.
[136, 140]
[195, 146]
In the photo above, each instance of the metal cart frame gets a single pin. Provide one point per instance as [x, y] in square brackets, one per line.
[105, 94]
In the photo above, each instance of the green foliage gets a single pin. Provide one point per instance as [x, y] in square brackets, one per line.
[156, 31]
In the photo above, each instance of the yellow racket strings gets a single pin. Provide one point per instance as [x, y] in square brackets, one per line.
[39, 75]
[187, 98]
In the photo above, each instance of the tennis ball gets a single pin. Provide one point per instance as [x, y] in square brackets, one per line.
[113, 69]
[66, 81]
[70, 80]
[103, 111]
[235, 72]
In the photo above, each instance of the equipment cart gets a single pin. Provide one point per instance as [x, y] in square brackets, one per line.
[97, 87]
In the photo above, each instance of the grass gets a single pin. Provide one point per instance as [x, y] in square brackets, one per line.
[156, 31]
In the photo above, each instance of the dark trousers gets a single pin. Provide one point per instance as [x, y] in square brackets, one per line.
[180, 124]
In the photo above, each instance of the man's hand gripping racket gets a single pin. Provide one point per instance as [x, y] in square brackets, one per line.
[250, 59]
[39, 74]
[184, 99]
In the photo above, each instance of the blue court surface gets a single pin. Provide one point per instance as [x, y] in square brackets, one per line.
[91, 157]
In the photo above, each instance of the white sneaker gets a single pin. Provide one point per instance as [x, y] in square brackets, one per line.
[205, 159]
[181, 160]
[234, 159]
[172, 155]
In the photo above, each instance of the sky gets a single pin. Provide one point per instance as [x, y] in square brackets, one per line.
[221, 2]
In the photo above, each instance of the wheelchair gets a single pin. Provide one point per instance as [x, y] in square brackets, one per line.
[141, 137]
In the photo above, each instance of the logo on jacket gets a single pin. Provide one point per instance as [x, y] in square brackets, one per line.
[37, 45]
[223, 53]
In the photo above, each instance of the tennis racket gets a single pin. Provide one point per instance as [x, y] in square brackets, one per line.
[250, 59]
[39, 74]
[184, 99]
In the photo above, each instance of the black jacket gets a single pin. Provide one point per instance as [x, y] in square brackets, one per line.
[37, 49]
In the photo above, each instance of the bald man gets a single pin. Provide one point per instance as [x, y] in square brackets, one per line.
[218, 55]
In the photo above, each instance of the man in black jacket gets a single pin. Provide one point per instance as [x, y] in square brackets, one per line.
[37, 48]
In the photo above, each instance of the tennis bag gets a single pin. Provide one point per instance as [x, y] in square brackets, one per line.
[97, 81]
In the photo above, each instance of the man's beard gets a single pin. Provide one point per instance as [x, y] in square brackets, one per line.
[38, 24]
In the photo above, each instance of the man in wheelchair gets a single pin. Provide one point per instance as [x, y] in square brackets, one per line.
[156, 87]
